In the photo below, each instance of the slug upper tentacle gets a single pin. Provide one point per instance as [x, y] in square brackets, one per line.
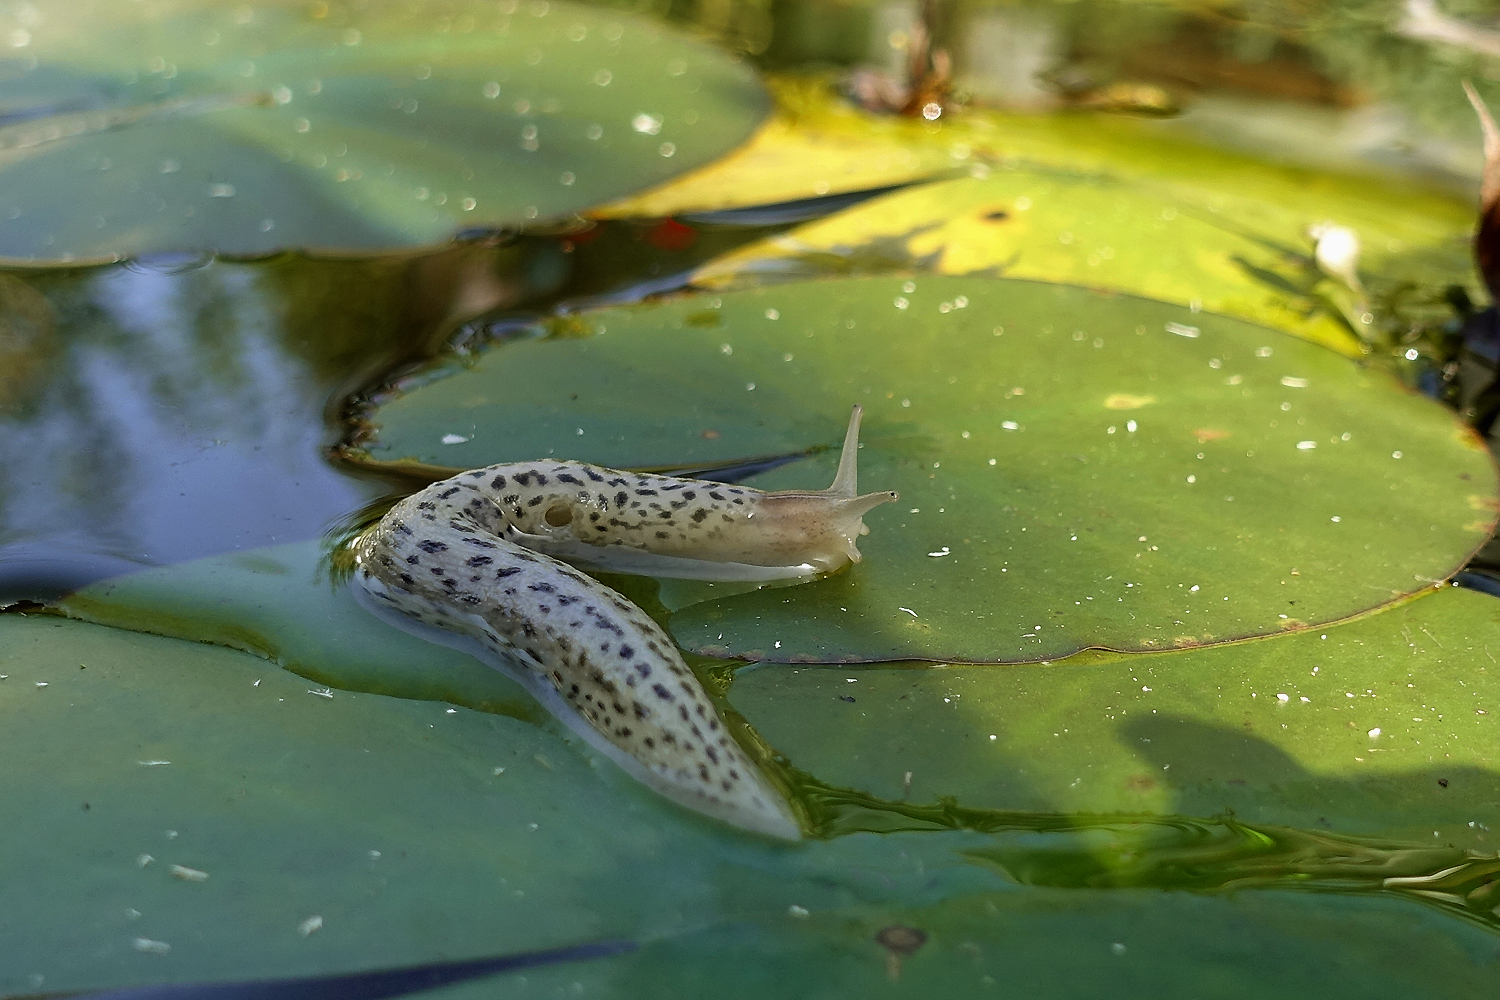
[482, 562]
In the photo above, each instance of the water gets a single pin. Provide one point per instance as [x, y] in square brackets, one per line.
[1148, 824]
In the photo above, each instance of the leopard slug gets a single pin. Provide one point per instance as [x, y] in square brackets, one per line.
[485, 562]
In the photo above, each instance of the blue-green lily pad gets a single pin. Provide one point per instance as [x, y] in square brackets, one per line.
[133, 128]
[221, 821]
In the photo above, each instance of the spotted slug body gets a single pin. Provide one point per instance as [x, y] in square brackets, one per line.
[485, 562]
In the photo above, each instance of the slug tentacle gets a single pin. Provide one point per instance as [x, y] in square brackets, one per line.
[482, 562]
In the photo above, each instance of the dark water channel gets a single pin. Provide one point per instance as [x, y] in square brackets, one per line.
[156, 412]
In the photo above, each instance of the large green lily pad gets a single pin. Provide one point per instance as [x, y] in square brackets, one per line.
[1192, 732]
[1077, 469]
[194, 126]
[419, 833]
[1388, 726]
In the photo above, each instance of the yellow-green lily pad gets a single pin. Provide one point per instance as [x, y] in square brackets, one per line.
[1059, 225]
[810, 148]
[1077, 468]
[195, 126]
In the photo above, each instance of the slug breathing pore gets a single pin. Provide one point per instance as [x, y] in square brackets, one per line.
[485, 562]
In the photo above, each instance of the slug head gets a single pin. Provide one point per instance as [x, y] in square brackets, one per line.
[820, 527]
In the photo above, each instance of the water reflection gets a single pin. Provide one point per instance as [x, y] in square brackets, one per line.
[179, 406]
[160, 411]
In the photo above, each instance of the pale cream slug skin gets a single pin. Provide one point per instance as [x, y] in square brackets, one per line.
[485, 562]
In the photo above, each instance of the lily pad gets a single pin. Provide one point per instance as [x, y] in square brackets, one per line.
[195, 126]
[811, 147]
[218, 806]
[414, 831]
[1388, 726]
[276, 603]
[1076, 468]
[1057, 225]
[1193, 732]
